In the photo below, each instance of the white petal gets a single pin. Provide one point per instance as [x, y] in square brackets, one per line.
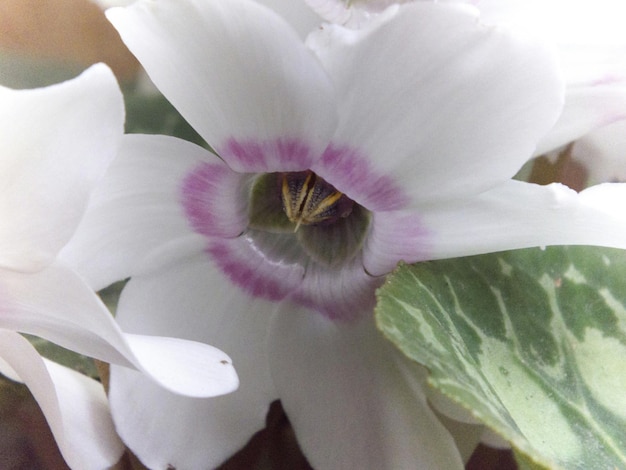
[586, 22]
[237, 72]
[263, 270]
[56, 143]
[395, 236]
[299, 16]
[520, 215]
[75, 406]
[439, 101]
[139, 206]
[57, 305]
[587, 107]
[342, 294]
[190, 299]
[603, 153]
[350, 400]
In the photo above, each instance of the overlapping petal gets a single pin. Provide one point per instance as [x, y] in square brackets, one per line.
[192, 299]
[588, 107]
[603, 153]
[340, 294]
[237, 72]
[396, 236]
[74, 405]
[520, 215]
[56, 304]
[432, 108]
[349, 400]
[139, 206]
[511, 216]
[49, 161]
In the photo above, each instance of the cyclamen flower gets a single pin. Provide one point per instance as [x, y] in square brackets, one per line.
[338, 158]
[56, 144]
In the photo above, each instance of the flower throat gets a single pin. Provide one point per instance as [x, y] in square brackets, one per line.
[308, 216]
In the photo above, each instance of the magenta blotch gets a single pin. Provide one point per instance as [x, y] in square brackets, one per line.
[253, 272]
[214, 201]
[216, 198]
[252, 156]
[395, 236]
[344, 295]
[352, 174]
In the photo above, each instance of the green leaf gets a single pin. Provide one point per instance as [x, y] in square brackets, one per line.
[151, 113]
[532, 341]
[59, 354]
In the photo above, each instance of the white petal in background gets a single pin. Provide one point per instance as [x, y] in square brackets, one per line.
[56, 142]
[582, 23]
[349, 401]
[603, 153]
[588, 106]
[75, 406]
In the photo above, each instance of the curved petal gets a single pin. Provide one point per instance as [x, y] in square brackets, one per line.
[396, 236]
[191, 299]
[351, 403]
[142, 202]
[465, 99]
[74, 405]
[521, 215]
[344, 294]
[260, 264]
[56, 304]
[587, 107]
[56, 143]
[237, 72]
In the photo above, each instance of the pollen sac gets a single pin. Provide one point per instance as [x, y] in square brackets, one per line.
[299, 217]
[309, 200]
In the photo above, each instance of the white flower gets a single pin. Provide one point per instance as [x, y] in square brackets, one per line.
[409, 128]
[56, 144]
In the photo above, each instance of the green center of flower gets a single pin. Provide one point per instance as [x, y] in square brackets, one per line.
[314, 217]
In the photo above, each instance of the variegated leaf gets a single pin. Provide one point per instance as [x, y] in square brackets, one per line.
[533, 341]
